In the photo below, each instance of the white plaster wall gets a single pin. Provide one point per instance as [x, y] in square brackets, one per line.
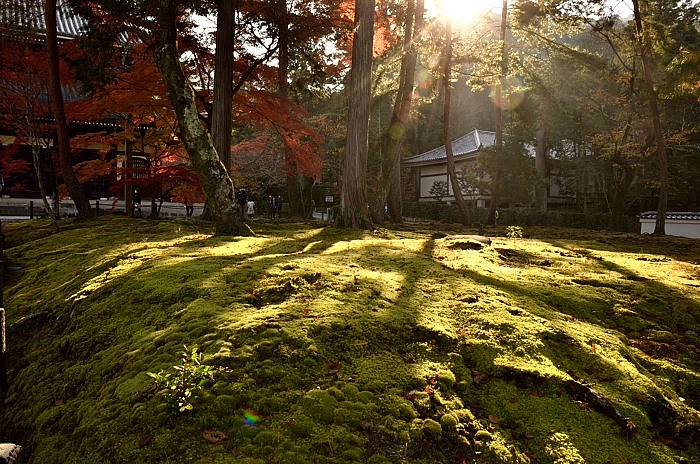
[675, 227]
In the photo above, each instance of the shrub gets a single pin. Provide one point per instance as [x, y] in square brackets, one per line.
[182, 385]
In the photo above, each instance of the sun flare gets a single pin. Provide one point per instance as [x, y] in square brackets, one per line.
[466, 10]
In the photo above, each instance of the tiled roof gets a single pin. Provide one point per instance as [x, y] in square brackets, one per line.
[461, 147]
[29, 15]
[683, 216]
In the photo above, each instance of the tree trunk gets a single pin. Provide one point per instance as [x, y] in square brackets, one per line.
[542, 188]
[389, 180]
[451, 172]
[223, 81]
[620, 200]
[39, 169]
[628, 175]
[354, 212]
[498, 177]
[298, 185]
[37, 146]
[394, 200]
[210, 170]
[653, 101]
[75, 189]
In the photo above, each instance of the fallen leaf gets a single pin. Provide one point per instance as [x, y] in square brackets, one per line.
[494, 419]
[214, 436]
[333, 367]
[479, 377]
[145, 440]
[670, 443]
[536, 393]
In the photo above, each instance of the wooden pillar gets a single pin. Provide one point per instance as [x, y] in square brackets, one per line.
[3, 352]
[2, 267]
[128, 186]
[3, 345]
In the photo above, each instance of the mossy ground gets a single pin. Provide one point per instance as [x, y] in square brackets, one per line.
[335, 346]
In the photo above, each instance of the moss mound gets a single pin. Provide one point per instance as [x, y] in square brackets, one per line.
[335, 346]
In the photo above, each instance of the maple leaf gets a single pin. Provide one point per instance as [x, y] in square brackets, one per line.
[214, 436]
[334, 367]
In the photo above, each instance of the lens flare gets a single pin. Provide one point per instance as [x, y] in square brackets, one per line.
[250, 418]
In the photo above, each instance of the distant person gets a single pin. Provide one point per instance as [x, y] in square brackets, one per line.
[242, 200]
[250, 208]
[278, 206]
[189, 208]
[271, 205]
[137, 202]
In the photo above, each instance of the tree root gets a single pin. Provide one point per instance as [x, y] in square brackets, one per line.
[583, 392]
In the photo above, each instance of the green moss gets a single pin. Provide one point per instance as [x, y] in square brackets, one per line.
[344, 311]
[449, 421]
[421, 399]
[350, 414]
[353, 455]
[291, 457]
[337, 393]
[350, 391]
[401, 408]
[376, 386]
[562, 451]
[379, 459]
[464, 415]
[432, 428]
[446, 379]
[266, 439]
[319, 405]
[366, 397]
[132, 389]
[483, 435]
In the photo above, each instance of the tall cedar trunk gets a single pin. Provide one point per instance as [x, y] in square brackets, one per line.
[223, 81]
[354, 212]
[542, 189]
[75, 189]
[389, 181]
[211, 172]
[394, 200]
[451, 172]
[298, 185]
[498, 177]
[653, 101]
